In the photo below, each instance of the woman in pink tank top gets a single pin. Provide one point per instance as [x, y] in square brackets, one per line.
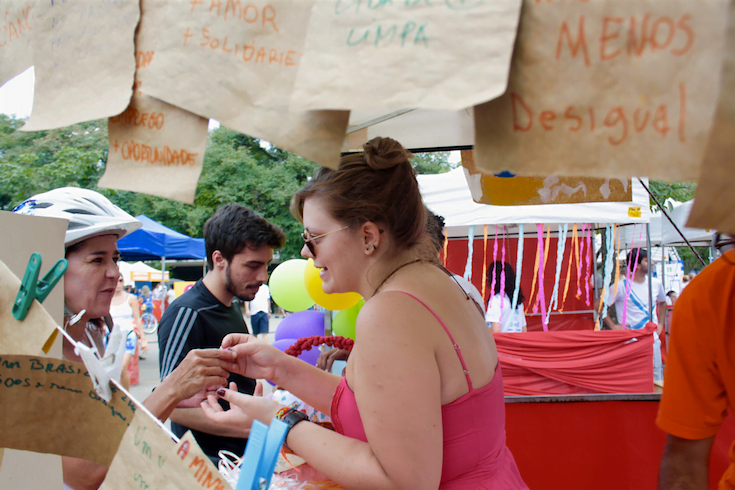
[421, 403]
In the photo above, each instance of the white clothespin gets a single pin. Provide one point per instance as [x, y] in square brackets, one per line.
[102, 371]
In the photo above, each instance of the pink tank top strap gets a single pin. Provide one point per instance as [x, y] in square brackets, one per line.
[456, 346]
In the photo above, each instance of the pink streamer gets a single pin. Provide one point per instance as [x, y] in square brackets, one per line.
[589, 268]
[540, 232]
[492, 283]
[580, 266]
[502, 278]
[629, 275]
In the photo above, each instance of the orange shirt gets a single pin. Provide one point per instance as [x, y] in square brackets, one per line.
[700, 373]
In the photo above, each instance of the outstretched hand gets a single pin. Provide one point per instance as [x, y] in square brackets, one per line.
[243, 408]
[255, 359]
[201, 369]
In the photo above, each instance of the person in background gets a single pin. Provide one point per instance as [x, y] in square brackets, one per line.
[700, 378]
[258, 310]
[170, 295]
[500, 313]
[637, 310]
[146, 299]
[671, 298]
[125, 312]
[239, 245]
[95, 225]
[421, 405]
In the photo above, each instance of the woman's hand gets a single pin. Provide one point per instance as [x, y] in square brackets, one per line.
[326, 359]
[255, 359]
[201, 369]
[243, 408]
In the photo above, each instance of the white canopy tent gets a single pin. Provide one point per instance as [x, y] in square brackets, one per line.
[138, 271]
[448, 195]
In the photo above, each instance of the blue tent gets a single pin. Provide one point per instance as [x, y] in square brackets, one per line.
[153, 241]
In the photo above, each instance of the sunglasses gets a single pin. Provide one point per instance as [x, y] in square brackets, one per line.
[309, 241]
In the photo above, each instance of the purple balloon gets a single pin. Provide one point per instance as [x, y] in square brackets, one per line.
[310, 356]
[308, 323]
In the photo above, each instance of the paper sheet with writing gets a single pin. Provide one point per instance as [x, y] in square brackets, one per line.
[506, 189]
[607, 88]
[148, 459]
[715, 201]
[15, 38]
[155, 148]
[83, 59]
[236, 62]
[49, 405]
[447, 54]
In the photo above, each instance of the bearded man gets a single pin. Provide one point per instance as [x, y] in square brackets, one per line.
[239, 245]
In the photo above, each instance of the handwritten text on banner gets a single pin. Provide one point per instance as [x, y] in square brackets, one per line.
[15, 37]
[607, 88]
[384, 54]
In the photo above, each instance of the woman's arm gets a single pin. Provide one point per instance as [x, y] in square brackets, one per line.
[259, 360]
[495, 327]
[137, 323]
[398, 390]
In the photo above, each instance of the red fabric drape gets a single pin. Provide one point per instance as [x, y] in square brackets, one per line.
[577, 362]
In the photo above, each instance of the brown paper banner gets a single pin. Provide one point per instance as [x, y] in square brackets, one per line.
[506, 189]
[393, 55]
[236, 62]
[15, 38]
[148, 458]
[715, 200]
[607, 88]
[157, 149]
[49, 406]
[83, 59]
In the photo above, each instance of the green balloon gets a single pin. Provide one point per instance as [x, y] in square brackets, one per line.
[287, 286]
[344, 322]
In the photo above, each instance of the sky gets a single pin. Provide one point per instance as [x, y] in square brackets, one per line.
[16, 98]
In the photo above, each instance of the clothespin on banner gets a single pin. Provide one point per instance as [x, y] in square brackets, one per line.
[31, 288]
[261, 455]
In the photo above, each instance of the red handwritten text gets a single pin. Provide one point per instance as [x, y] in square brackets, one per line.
[143, 58]
[132, 150]
[11, 29]
[621, 121]
[247, 52]
[642, 34]
[133, 117]
[235, 9]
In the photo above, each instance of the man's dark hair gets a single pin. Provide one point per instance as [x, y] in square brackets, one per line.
[636, 256]
[234, 227]
[435, 229]
[671, 293]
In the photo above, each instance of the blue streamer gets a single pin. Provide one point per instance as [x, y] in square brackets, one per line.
[608, 270]
[560, 246]
[519, 267]
[470, 246]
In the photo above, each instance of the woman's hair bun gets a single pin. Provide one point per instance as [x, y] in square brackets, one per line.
[385, 153]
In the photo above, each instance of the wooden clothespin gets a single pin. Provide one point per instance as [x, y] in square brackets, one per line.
[261, 455]
[31, 288]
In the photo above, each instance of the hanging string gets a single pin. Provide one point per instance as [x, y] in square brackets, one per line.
[535, 274]
[495, 258]
[580, 263]
[540, 233]
[502, 276]
[470, 247]
[630, 273]
[560, 245]
[125, 392]
[574, 249]
[519, 268]
[484, 263]
[545, 256]
[590, 272]
[446, 245]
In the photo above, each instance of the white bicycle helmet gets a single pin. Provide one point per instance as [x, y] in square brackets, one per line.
[89, 213]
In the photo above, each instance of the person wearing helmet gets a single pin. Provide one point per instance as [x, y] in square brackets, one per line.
[95, 225]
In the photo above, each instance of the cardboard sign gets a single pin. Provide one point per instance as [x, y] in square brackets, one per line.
[236, 62]
[48, 405]
[148, 459]
[715, 201]
[15, 38]
[607, 88]
[506, 189]
[83, 59]
[447, 54]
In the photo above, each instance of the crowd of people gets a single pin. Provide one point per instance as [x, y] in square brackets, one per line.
[424, 410]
